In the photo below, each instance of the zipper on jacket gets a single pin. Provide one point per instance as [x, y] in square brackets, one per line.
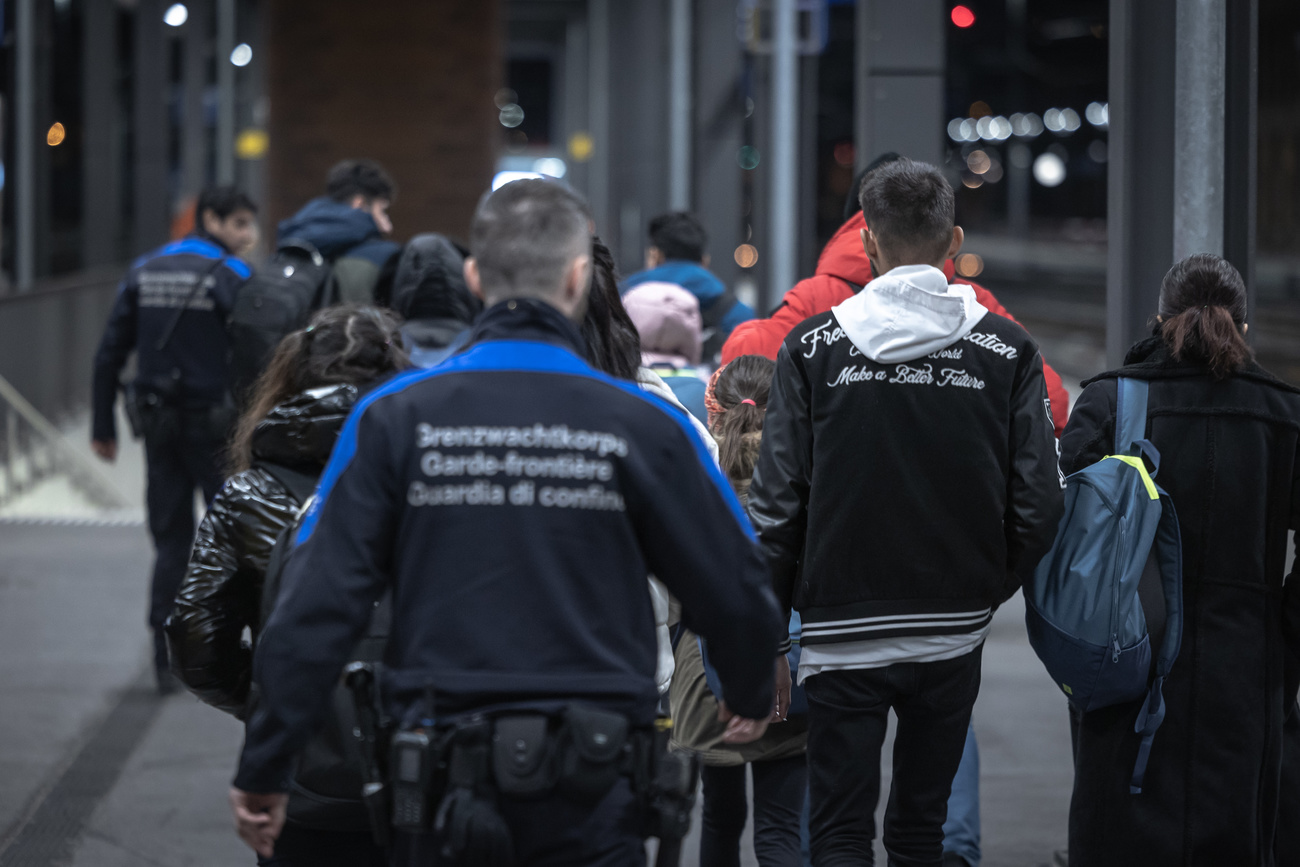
[1114, 609]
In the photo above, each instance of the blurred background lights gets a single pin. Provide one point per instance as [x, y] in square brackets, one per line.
[844, 154]
[1070, 120]
[748, 157]
[1001, 128]
[974, 182]
[1020, 155]
[251, 144]
[505, 96]
[581, 146]
[500, 179]
[984, 128]
[1097, 151]
[56, 135]
[1098, 114]
[978, 162]
[746, 256]
[969, 265]
[1052, 120]
[511, 115]
[242, 55]
[176, 14]
[962, 17]
[1049, 170]
[553, 167]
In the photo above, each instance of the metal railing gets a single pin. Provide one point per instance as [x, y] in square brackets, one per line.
[34, 450]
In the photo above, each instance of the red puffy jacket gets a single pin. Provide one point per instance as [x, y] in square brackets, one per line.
[844, 262]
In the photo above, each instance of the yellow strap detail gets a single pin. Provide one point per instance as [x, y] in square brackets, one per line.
[1139, 465]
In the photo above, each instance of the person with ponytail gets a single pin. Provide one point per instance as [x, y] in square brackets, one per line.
[280, 446]
[1228, 433]
[737, 400]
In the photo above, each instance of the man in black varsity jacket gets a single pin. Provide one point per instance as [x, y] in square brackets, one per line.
[908, 482]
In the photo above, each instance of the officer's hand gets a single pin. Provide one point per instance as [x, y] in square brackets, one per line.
[258, 818]
[782, 708]
[739, 730]
[105, 450]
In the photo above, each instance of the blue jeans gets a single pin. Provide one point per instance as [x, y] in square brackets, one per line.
[961, 833]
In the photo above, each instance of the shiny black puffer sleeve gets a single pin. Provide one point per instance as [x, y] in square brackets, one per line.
[221, 592]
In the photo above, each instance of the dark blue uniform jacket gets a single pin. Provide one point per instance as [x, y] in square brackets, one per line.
[514, 499]
[196, 357]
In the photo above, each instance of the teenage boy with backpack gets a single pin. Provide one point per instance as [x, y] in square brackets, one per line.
[912, 428]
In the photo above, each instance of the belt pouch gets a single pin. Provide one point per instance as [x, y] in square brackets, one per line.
[523, 759]
[591, 752]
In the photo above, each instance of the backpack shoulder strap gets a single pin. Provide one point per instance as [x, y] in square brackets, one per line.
[1168, 551]
[718, 309]
[1130, 413]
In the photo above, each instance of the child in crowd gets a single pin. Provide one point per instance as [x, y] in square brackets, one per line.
[737, 401]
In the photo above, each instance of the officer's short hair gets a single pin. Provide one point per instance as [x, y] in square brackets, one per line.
[365, 178]
[910, 208]
[679, 235]
[524, 236]
[223, 200]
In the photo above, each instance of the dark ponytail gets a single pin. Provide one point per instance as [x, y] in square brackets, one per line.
[341, 345]
[1203, 314]
[737, 401]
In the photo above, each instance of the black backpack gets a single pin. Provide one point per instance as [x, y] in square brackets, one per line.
[278, 299]
[326, 789]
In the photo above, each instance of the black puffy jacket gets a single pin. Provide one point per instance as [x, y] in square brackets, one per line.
[221, 593]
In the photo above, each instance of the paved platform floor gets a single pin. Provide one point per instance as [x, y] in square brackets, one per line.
[96, 771]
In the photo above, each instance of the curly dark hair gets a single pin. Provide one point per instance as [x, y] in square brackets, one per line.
[342, 345]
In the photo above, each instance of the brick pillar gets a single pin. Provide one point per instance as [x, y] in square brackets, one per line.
[407, 82]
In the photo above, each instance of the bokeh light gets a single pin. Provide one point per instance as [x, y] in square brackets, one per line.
[748, 157]
[56, 135]
[746, 255]
[962, 16]
[511, 115]
[844, 154]
[242, 55]
[978, 162]
[1049, 169]
[969, 265]
[176, 15]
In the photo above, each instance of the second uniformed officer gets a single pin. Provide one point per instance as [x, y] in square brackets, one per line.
[513, 500]
[171, 311]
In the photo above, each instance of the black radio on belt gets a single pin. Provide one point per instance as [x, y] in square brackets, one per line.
[411, 767]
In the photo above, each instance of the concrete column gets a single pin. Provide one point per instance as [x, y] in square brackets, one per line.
[718, 120]
[784, 215]
[1199, 102]
[598, 110]
[1181, 172]
[225, 139]
[25, 137]
[150, 128]
[101, 185]
[194, 134]
[679, 106]
[900, 68]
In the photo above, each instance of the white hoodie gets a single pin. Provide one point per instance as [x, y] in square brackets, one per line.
[908, 313]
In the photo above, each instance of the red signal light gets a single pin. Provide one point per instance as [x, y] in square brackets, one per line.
[962, 17]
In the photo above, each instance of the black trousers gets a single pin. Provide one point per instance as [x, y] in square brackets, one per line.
[848, 714]
[780, 787]
[554, 832]
[183, 452]
[300, 846]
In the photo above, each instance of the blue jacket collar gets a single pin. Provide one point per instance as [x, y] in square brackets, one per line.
[332, 227]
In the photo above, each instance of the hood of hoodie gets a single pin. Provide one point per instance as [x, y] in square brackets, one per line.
[908, 313]
[843, 256]
[668, 319]
[332, 227]
[300, 432]
[430, 282]
[691, 276]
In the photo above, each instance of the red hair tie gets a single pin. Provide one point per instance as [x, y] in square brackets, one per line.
[750, 402]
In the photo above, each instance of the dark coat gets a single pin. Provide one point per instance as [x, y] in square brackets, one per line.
[1229, 462]
[221, 593]
[349, 238]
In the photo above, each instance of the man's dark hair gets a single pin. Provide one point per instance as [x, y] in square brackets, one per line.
[525, 234]
[222, 200]
[365, 178]
[679, 235]
[910, 208]
[851, 204]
